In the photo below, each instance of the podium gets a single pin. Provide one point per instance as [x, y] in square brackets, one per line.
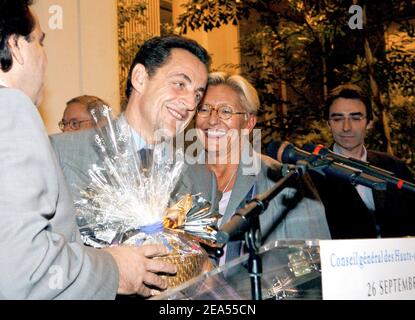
[291, 270]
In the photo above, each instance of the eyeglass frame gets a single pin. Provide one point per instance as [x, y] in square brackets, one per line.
[354, 117]
[62, 124]
[217, 108]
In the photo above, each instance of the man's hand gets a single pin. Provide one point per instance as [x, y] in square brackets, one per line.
[137, 270]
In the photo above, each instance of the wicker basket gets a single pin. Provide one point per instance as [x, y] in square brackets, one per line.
[186, 254]
[188, 266]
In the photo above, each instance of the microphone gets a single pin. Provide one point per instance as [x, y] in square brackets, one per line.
[245, 217]
[288, 153]
[364, 166]
[238, 224]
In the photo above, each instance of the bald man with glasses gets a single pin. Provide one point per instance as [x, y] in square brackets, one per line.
[77, 116]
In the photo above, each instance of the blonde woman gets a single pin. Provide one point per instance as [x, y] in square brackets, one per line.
[225, 118]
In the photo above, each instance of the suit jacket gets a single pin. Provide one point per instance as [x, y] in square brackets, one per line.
[302, 217]
[42, 253]
[349, 217]
[77, 151]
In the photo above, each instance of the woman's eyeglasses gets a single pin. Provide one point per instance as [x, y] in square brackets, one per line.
[224, 111]
[356, 118]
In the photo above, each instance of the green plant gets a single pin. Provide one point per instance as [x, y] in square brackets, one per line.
[295, 51]
[130, 17]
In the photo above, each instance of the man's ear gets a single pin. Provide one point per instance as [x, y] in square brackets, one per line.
[251, 122]
[369, 125]
[328, 125]
[138, 77]
[15, 47]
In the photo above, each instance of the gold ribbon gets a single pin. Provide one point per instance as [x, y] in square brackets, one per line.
[176, 215]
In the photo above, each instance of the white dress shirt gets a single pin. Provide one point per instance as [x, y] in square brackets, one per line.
[3, 84]
[223, 203]
[365, 192]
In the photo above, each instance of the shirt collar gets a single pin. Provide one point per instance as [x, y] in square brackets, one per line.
[337, 149]
[139, 142]
[364, 156]
[2, 83]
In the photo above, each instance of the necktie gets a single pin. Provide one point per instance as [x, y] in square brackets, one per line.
[146, 157]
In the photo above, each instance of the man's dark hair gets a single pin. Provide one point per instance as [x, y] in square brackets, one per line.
[348, 91]
[155, 52]
[15, 20]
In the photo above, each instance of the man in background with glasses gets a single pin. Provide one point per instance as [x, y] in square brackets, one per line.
[77, 114]
[358, 211]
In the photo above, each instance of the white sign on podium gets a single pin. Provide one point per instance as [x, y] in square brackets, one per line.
[369, 269]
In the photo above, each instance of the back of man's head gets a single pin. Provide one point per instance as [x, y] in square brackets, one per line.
[15, 20]
[155, 52]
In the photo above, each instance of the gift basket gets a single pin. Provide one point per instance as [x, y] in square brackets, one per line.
[127, 195]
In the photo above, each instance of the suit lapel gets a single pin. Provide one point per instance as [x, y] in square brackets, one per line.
[241, 188]
[378, 195]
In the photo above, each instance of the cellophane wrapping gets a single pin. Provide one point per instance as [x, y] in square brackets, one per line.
[127, 195]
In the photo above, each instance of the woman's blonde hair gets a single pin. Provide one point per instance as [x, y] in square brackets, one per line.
[248, 95]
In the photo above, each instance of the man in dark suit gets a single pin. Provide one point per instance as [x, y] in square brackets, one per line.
[42, 255]
[358, 211]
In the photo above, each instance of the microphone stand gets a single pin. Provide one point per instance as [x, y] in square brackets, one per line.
[253, 242]
[247, 220]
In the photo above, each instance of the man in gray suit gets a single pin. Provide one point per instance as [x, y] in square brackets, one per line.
[42, 255]
[167, 80]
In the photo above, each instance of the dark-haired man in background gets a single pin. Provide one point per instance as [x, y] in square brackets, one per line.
[358, 211]
[167, 80]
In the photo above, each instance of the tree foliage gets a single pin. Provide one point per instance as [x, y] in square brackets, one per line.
[129, 14]
[304, 48]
